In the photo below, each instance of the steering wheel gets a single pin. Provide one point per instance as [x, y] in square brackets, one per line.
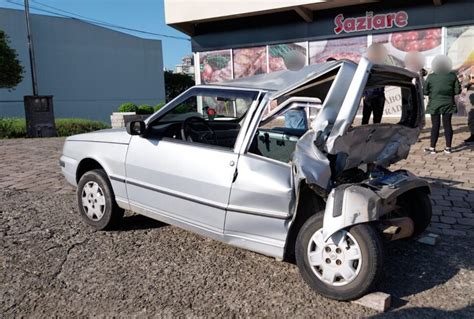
[189, 131]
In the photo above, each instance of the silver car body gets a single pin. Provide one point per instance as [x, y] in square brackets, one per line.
[248, 200]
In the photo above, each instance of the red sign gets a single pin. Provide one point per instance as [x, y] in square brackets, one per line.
[370, 22]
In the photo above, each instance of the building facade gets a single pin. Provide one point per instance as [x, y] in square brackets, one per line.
[88, 69]
[186, 66]
[247, 37]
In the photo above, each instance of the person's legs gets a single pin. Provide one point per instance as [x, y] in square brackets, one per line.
[470, 118]
[366, 111]
[435, 123]
[448, 128]
[470, 124]
[377, 107]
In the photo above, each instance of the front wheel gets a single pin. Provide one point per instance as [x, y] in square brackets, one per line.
[346, 266]
[97, 201]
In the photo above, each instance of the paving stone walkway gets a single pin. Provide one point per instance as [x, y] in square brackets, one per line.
[54, 265]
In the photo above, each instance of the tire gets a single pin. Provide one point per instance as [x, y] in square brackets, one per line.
[364, 271]
[96, 201]
[417, 205]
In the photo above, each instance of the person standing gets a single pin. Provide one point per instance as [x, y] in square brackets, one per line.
[470, 108]
[374, 98]
[414, 62]
[470, 120]
[441, 86]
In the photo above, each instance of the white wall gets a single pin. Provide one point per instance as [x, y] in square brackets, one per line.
[90, 70]
[184, 11]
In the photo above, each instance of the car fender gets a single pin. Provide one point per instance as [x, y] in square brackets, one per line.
[351, 204]
[110, 156]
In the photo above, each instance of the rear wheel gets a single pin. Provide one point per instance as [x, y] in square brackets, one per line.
[96, 200]
[346, 266]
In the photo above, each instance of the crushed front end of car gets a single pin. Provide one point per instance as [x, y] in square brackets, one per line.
[348, 164]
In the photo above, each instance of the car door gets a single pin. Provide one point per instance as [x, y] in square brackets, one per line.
[180, 181]
[260, 201]
[187, 183]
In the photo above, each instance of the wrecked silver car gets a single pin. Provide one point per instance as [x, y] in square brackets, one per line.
[275, 163]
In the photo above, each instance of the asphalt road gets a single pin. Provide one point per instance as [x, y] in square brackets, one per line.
[52, 264]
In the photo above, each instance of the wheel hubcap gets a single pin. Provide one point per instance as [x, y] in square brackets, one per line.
[93, 201]
[337, 261]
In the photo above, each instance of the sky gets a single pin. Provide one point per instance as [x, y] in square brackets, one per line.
[146, 15]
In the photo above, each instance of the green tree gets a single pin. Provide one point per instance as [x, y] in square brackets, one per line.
[176, 84]
[11, 71]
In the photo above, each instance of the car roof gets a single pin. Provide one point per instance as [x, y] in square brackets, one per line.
[282, 81]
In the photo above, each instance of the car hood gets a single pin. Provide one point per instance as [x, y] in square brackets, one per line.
[117, 135]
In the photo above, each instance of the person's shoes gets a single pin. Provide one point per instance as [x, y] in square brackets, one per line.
[448, 150]
[469, 140]
[430, 150]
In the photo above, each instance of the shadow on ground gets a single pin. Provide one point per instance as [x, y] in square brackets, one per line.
[413, 268]
[428, 312]
[410, 268]
[137, 222]
[425, 266]
[457, 129]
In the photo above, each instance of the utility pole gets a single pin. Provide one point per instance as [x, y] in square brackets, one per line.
[39, 112]
[31, 49]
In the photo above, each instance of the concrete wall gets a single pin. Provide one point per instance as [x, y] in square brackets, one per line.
[180, 11]
[177, 11]
[90, 70]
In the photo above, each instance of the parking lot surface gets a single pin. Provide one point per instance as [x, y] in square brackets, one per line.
[52, 264]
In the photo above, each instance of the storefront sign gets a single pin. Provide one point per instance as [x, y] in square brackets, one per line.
[370, 22]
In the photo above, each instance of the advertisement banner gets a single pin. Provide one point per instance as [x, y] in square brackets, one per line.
[348, 48]
[428, 43]
[458, 44]
[250, 61]
[460, 48]
[283, 56]
[215, 66]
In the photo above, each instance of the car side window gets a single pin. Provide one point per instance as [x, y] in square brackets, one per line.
[209, 108]
[211, 117]
[277, 136]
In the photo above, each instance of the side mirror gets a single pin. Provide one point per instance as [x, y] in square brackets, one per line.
[136, 128]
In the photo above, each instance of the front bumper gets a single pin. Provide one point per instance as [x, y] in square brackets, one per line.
[69, 167]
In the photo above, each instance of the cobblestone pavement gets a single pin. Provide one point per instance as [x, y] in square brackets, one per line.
[452, 180]
[52, 264]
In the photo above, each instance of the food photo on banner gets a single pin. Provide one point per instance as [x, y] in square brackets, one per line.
[250, 61]
[286, 56]
[215, 66]
[428, 42]
[347, 48]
